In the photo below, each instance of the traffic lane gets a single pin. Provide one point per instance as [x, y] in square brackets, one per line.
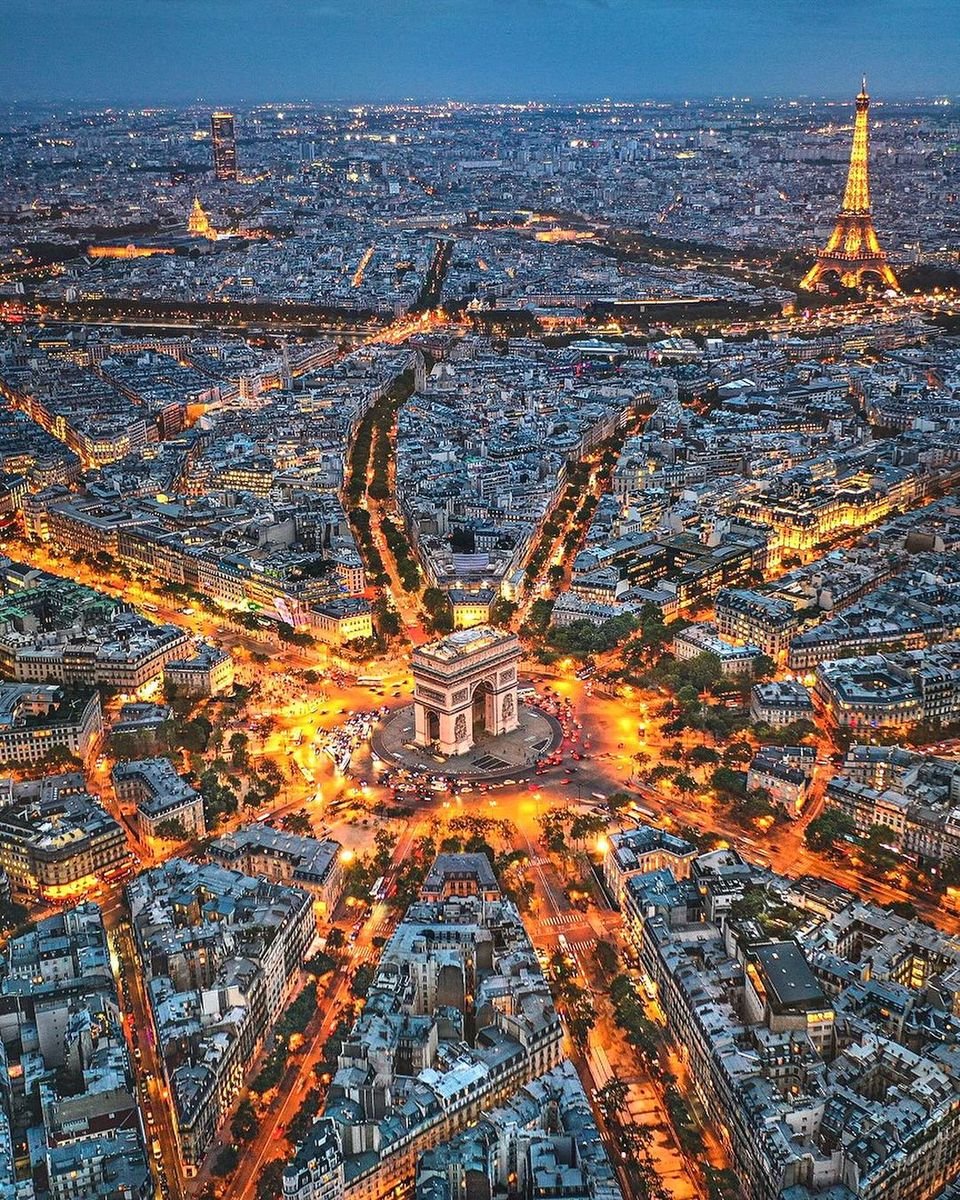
[148, 1068]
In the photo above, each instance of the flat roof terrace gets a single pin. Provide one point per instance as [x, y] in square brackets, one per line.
[464, 644]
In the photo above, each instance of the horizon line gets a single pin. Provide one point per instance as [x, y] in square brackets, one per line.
[556, 100]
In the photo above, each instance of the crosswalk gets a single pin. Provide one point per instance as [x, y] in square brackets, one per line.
[583, 947]
[564, 919]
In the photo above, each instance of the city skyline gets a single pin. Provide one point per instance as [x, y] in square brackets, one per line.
[575, 50]
[479, 600]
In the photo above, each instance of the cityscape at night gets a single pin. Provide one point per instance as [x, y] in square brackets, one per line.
[479, 600]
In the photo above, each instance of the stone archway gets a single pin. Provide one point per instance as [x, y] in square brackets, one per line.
[461, 684]
[483, 709]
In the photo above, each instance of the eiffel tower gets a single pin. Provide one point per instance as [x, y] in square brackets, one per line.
[852, 256]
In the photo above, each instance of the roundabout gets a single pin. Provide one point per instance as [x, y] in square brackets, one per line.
[491, 757]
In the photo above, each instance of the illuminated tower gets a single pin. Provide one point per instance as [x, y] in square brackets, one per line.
[198, 223]
[853, 255]
[224, 145]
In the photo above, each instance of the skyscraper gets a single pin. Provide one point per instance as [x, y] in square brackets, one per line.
[224, 145]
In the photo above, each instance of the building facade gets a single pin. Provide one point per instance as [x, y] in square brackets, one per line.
[224, 140]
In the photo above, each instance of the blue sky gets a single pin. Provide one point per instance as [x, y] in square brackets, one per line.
[229, 51]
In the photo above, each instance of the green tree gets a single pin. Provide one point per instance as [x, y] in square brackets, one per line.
[752, 904]
[502, 612]
[437, 604]
[586, 825]
[876, 848]
[617, 802]
[763, 667]
[737, 752]
[298, 822]
[731, 783]
[385, 843]
[608, 960]
[703, 671]
[225, 1163]
[362, 978]
[755, 804]
[553, 827]
[538, 618]
[237, 746]
[270, 1180]
[320, 964]
[245, 1125]
[386, 619]
[830, 827]
[195, 734]
[171, 830]
[612, 1096]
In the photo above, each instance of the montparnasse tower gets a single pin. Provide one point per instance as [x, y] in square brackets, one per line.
[852, 255]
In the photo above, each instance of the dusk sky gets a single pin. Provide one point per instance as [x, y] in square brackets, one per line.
[229, 51]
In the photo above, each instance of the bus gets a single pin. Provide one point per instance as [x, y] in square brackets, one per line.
[376, 889]
[640, 812]
[369, 681]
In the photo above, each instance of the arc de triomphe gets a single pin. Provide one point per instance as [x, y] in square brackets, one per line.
[465, 684]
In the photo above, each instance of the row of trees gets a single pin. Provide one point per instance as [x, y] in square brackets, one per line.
[399, 545]
[562, 829]
[634, 1140]
[372, 441]
[358, 460]
[573, 999]
[291, 1025]
[833, 826]
[577, 475]
[373, 563]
